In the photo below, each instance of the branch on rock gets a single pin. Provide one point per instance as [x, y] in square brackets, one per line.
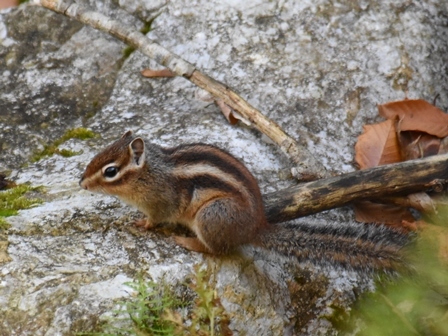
[307, 167]
[429, 174]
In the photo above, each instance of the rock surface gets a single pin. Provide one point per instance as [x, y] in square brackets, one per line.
[316, 68]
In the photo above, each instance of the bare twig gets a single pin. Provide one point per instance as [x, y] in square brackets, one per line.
[370, 184]
[307, 166]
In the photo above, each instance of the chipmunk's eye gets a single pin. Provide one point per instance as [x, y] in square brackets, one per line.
[111, 171]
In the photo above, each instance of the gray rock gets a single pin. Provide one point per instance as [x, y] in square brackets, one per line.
[317, 69]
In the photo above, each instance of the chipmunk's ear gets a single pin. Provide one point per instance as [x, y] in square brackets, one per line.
[127, 134]
[137, 151]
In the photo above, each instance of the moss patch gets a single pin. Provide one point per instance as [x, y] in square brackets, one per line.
[128, 51]
[4, 225]
[147, 26]
[75, 133]
[15, 199]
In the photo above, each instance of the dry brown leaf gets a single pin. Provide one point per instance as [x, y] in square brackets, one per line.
[414, 129]
[417, 115]
[231, 115]
[422, 202]
[413, 226]
[150, 73]
[8, 3]
[227, 111]
[370, 212]
[378, 145]
[443, 149]
[416, 145]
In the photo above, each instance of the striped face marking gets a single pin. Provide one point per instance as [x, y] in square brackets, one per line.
[115, 165]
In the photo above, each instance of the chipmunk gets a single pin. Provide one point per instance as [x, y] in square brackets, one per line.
[214, 195]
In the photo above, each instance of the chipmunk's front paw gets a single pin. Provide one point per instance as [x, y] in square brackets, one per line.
[144, 223]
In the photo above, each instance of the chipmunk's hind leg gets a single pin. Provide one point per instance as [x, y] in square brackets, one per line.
[222, 225]
[192, 244]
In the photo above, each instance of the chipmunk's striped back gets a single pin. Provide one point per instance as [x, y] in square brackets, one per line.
[205, 169]
[204, 175]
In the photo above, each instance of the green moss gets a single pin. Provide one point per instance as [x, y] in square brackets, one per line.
[90, 114]
[15, 199]
[4, 225]
[67, 153]
[147, 27]
[51, 149]
[128, 51]
[76, 133]
[7, 212]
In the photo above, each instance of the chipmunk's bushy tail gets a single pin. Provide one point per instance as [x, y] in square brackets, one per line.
[360, 247]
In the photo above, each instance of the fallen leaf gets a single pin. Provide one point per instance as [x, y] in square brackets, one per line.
[443, 149]
[231, 115]
[378, 145]
[417, 145]
[8, 3]
[422, 202]
[389, 214]
[414, 129]
[413, 226]
[150, 73]
[227, 111]
[417, 115]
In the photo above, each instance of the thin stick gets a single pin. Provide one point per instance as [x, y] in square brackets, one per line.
[370, 184]
[307, 166]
